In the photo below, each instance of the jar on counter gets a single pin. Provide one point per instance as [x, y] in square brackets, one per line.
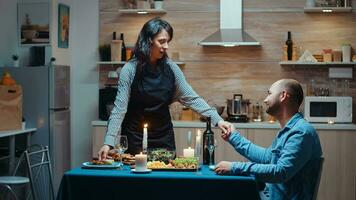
[257, 112]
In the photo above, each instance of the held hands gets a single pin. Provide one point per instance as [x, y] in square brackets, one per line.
[224, 126]
[225, 135]
[103, 152]
[223, 167]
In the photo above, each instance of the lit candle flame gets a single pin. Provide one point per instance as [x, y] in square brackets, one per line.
[145, 126]
[199, 132]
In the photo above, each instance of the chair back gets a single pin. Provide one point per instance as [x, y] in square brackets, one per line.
[317, 181]
[40, 173]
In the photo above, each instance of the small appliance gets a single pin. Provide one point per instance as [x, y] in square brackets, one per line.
[238, 109]
[328, 109]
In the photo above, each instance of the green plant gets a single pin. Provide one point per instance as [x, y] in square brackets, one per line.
[105, 52]
[345, 44]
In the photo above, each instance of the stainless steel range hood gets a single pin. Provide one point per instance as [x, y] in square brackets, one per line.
[231, 31]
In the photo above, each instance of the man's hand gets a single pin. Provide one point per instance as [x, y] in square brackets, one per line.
[224, 126]
[223, 167]
[103, 152]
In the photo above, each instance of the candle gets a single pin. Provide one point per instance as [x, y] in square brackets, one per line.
[198, 143]
[188, 153]
[141, 162]
[144, 139]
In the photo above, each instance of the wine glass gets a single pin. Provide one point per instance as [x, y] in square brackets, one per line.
[121, 145]
[211, 145]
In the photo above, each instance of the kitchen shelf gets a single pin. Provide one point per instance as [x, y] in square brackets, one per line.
[142, 11]
[327, 9]
[110, 63]
[333, 64]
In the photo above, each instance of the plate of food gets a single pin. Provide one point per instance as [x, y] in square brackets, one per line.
[105, 164]
[127, 159]
[178, 164]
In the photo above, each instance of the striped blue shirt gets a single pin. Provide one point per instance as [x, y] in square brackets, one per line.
[184, 94]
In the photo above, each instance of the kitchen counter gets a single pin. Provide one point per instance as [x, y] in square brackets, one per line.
[250, 125]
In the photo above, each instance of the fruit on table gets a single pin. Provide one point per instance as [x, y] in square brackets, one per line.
[7, 79]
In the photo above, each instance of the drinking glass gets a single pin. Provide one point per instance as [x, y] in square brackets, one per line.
[211, 144]
[121, 145]
[345, 87]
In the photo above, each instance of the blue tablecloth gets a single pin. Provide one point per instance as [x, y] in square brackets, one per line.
[81, 183]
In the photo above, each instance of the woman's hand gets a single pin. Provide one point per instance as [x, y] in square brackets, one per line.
[103, 152]
[225, 126]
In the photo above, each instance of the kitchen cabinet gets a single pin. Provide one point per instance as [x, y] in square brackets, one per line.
[339, 170]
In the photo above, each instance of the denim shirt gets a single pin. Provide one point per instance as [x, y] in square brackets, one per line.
[289, 166]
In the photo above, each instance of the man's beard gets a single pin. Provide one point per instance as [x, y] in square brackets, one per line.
[273, 109]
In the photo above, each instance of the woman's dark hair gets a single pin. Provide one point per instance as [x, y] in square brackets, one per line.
[150, 29]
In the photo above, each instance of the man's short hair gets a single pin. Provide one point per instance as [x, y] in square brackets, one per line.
[295, 90]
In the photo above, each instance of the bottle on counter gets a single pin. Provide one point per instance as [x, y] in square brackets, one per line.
[289, 44]
[115, 48]
[123, 48]
[207, 132]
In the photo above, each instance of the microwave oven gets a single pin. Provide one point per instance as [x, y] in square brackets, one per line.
[328, 109]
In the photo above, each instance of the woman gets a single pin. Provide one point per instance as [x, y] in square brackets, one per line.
[148, 84]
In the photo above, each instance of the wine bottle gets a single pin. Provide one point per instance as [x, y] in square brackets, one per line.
[123, 48]
[113, 35]
[289, 44]
[208, 131]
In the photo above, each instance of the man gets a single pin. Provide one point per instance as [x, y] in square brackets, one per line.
[290, 165]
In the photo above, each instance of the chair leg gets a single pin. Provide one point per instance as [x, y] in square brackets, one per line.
[13, 195]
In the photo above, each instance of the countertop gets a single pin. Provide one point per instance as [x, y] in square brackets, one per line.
[249, 125]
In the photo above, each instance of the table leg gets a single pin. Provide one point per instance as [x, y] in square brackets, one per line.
[11, 153]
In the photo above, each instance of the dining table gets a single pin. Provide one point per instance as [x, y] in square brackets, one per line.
[124, 184]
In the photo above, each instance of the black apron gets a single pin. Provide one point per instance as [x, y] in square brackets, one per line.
[149, 102]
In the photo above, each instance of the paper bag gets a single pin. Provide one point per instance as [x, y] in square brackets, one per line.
[10, 107]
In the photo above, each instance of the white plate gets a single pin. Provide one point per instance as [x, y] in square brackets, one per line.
[141, 172]
[91, 165]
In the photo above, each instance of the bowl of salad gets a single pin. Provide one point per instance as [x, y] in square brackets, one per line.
[161, 154]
